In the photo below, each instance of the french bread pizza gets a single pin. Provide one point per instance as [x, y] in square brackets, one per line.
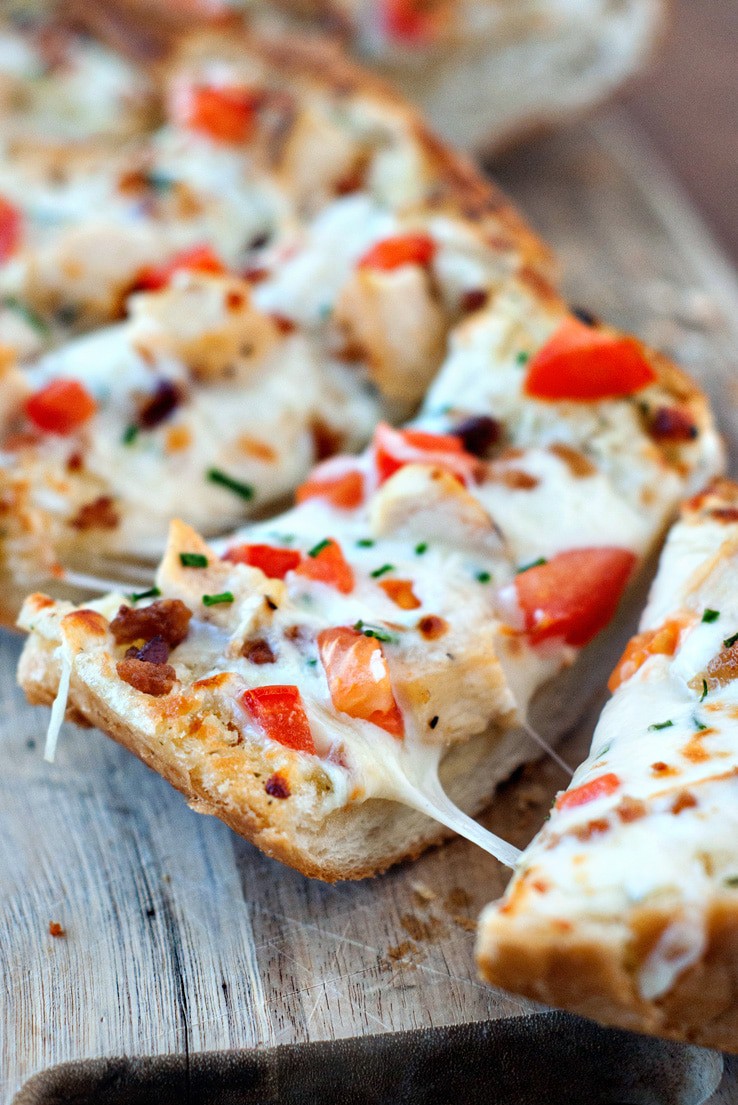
[311, 678]
[291, 252]
[624, 908]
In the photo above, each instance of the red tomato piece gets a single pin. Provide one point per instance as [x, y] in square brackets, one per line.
[61, 407]
[345, 492]
[280, 714]
[395, 448]
[273, 561]
[225, 113]
[358, 678]
[11, 229]
[406, 21]
[584, 365]
[197, 259]
[587, 792]
[404, 249]
[329, 566]
[652, 642]
[575, 594]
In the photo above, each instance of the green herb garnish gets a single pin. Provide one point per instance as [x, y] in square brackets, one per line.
[317, 549]
[244, 490]
[483, 577]
[703, 696]
[152, 593]
[217, 600]
[730, 641]
[365, 543]
[697, 723]
[522, 357]
[533, 564]
[710, 615]
[374, 631]
[660, 725]
[421, 548]
[130, 434]
[603, 752]
[193, 560]
[382, 571]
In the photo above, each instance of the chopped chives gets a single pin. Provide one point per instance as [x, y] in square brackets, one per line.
[421, 548]
[710, 615]
[382, 571]
[730, 641]
[533, 564]
[152, 593]
[660, 725]
[697, 723]
[318, 549]
[522, 357]
[193, 560]
[374, 631]
[365, 543]
[217, 600]
[483, 577]
[130, 434]
[703, 696]
[245, 490]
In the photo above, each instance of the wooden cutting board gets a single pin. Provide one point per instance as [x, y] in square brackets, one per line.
[180, 937]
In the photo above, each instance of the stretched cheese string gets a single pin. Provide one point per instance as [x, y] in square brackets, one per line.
[543, 743]
[59, 707]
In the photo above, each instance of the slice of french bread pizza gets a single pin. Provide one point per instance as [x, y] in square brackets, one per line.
[307, 679]
[624, 907]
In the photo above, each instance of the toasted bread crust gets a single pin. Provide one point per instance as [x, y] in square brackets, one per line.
[592, 970]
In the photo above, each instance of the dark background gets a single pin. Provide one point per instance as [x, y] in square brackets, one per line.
[688, 106]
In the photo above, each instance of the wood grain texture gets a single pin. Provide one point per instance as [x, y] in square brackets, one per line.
[181, 937]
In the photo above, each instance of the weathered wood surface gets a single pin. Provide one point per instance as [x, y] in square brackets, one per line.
[179, 936]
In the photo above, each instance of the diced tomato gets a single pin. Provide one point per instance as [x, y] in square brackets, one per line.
[575, 594]
[280, 714]
[408, 21]
[652, 642]
[358, 678]
[404, 249]
[61, 407]
[329, 566]
[587, 792]
[196, 259]
[11, 229]
[273, 562]
[583, 364]
[395, 448]
[225, 113]
[345, 491]
[401, 592]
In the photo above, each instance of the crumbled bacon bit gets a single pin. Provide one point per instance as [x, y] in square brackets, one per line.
[592, 828]
[156, 407]
[474, 300]
[579, 465]
[432, 627]
[101, 513]
[153, 679]
[630, 809]
[478, 434]
[258, 652]
[672, 424]
[683, 801]
[725, 514]
[277, 786]
[55, 929]
[75, 462]
[166, 618]
[326, 441]
[514, 478]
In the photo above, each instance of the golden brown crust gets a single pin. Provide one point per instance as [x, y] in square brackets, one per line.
[593, 972]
